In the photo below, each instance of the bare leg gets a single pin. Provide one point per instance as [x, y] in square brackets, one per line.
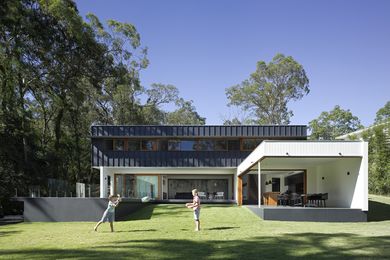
[112, 226]
[197, 225]
[97, 225]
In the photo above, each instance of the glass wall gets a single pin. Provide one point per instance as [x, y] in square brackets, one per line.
[210, 144]
[188, 145]
[208, 188]
[119, 145]
[136, 187]
[250, 144]
[147, 186]
[133, 145]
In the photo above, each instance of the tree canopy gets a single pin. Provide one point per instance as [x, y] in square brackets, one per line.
[383, 114]
[59, 74]
[334, 123]
[269, 89]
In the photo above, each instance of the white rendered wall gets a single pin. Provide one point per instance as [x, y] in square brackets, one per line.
[344, 191]
[104, 173]
[311, 180]
[268, 177]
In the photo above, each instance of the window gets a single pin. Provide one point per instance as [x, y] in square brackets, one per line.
[220, 145]
[233, 145]
[149, 145]
[205, 145]
[108, 145]
[163, 145]
[147, 186]
[250, 144]
[119, 145]
[173, 145]
[188, 145]
[133, 145]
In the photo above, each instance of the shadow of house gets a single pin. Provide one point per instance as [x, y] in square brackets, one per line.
[144, 214]
[291, 246]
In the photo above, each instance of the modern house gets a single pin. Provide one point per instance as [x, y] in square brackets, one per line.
[273, 167]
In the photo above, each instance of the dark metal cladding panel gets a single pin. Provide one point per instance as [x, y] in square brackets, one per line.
[173, 159]
[201, 131]
[276, 131]
[293, 131]
[221, 131]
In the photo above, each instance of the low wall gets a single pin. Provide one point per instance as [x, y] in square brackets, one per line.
[73, 209]
[310, 214]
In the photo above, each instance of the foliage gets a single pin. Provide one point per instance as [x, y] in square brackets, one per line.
[334, 123]
[185, 115]
[383, 114]
[58, 75]
[379, 158]
[269, 89]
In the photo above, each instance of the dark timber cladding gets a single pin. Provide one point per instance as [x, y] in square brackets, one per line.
[297, 131]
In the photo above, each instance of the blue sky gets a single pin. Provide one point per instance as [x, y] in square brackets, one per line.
[202, 47]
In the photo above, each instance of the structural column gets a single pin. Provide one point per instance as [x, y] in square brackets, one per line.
[239, 190]
[103, 183]
[259, 183]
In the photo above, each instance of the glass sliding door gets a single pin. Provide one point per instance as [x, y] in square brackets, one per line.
[119, 185]
[147, 186]
[211, 188]
[136, 186]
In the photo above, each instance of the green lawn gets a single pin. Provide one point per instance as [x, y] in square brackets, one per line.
[228, 232]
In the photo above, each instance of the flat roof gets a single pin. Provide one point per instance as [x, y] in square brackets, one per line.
[302, 149]
[255, 131]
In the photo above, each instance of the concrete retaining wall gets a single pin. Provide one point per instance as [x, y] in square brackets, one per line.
[310, 214]
[73, 209]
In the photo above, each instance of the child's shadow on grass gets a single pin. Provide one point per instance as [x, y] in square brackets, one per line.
[214, 228]
[221, 228]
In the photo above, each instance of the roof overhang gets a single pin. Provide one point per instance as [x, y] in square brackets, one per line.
[300, 154]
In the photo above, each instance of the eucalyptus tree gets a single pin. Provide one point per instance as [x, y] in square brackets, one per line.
[334, 123]
[185, 114]
[269, 89]
[119, 98]
[383, 114]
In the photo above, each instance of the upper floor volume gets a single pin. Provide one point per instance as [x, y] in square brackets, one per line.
[183, 146]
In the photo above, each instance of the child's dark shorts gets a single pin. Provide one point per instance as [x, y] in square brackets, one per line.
[196, 213]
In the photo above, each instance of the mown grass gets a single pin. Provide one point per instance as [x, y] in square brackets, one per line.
[228, 232]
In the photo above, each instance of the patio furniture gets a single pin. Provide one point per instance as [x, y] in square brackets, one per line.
[316, 200]
[271, 198]
[295, 200]
[202, 195]
[219, 195]
[322, 201]
[281, 200]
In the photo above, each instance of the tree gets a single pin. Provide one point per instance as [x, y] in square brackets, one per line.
[50, 63]
[269, 89]
[58, 75]
[118, 101]
[185, 115]
[383, 114]
[378, 158]
[331, 124]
